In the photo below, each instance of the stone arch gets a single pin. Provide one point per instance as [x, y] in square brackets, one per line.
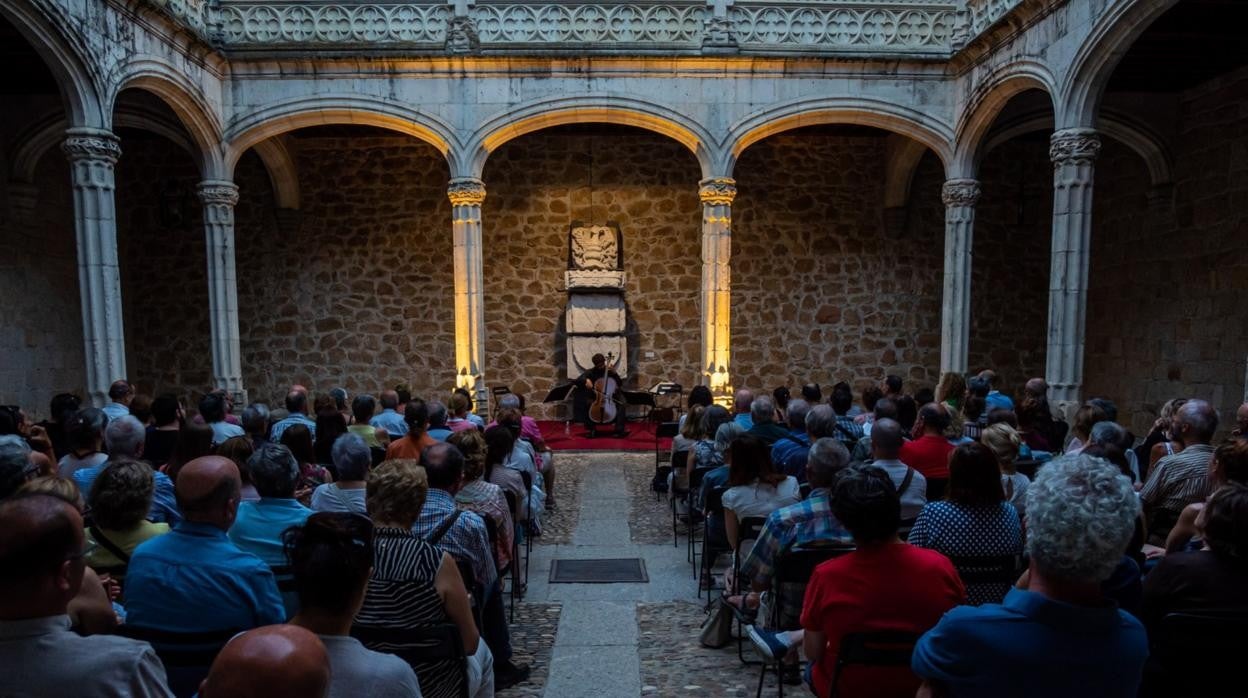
[1142, 139]
[543, 114]
[66, 55]
[283, 117]
[986, 103]
[904, 155]
[280, 164]
[187, 103]
[48, 132]
[1093, 64]
[904, 121]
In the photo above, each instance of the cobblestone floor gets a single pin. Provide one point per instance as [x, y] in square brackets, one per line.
[559, 523]
[673, 663]
[650, 519]
[532, 639]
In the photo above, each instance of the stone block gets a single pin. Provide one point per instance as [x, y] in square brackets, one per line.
[582, 349]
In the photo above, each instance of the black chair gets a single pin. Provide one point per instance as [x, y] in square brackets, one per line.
[691, 501]
[285, 578]
[988, 569]
[1028, 467]
[748, 528]
[936, 488]
[714, 506]
[890, 648]
[527, 478]
[417, 646]
[662, 456]
[1196, 653]
[475, 591]
[679, 461]
[378, 454]
[517, 589]
[793, 567]
[187, 656]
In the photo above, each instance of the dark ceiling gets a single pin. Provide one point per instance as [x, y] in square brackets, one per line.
[1194, 41]
[25, 73]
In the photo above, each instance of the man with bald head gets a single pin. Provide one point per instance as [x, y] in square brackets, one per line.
[1241, 422]
[1183, 478]
[297, 413]
[276, 661]
[887, 439]
[741, 403]
[41, 570]
[390, 419]
[195, 579]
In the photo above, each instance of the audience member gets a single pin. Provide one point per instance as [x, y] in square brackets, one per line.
[741, 403]
[84, 435]
[763, 421]
[330, 425]
[788, 453]
[754, 489]
[911, 486]
[298, 440]
[781, 397]
[499, 444]
[297, 413]
[1241, 422]
[1108, 433]
[929, 452]
[415, 440]
[883, 408]
[704, 454]
[352, 459]
[908, 412]
[848, 431]
[120, 394]
[331, 557]
[458, 419]
[42, 547]
[62, 407]
[529, 437]
[482, 497]
[1058, 637]
[118, 502]
[1229, 464]
[995, 399]
[239, 450]
[276, 661]
[1004, 443]
[1182, 479]
[16, 467]
[362, 409]
[162, 435]
[950, 392]
[212, 410]
[194, 441]
[195, 579]
[413, 584]
[438, 429]
[255, 422]
[974, 520]
[891, 387]
[812, 393]
[259, 525]
[1088, 415]
[473, 417]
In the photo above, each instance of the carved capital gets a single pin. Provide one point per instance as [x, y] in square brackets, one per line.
[1074, 146]
[91, 144]
[218, 192]
[466, 191]
[718, 191]
[960, 192]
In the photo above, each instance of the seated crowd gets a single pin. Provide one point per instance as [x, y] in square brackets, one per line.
[365, 550]
[341, 545]
[1016, 556]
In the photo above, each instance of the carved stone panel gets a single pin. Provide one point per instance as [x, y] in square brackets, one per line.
[593, 313]
[583, 279]
[594, 247]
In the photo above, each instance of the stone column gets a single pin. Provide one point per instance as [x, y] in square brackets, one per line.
[717, 194]
[959, 196]
[467, 194]
[92, 154]
[1073, 152]
[219, 198]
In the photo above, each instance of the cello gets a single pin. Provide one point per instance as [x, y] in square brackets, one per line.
[603, 409]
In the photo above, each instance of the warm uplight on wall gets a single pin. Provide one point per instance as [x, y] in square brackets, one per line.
[464, 379]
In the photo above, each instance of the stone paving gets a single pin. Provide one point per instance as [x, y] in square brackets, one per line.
[532, 638]
[673, 662]
[650, 517]
[559, 523]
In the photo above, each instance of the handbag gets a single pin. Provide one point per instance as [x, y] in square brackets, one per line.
[717, 628]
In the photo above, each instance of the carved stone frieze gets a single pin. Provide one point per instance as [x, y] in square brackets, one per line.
[466, 192]
[718, 191]
[1074, 145]
[218, 193]
[960, 192]
[93, 146]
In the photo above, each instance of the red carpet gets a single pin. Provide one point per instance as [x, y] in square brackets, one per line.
[560, 437]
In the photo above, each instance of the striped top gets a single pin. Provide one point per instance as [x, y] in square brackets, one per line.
[401, 594]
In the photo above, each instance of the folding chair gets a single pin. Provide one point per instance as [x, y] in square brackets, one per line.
[662, 456]
[679, 460]
[748, 529]
[987, 569]
[516, 592]
[417, 646]
[793, 566]
[187, 656]
[527, 478]
[890, 648]
[691, 502]
[714, 505]
[936, 488]
[1197, 653]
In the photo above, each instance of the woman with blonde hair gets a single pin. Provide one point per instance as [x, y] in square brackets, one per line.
[1004, 441]
[481, 496]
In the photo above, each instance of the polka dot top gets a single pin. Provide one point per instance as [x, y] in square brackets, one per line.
[955, 530]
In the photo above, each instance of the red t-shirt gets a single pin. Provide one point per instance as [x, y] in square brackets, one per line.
[880, 587]
[928, 454]
[406, 448]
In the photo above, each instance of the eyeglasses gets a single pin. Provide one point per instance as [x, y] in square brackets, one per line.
[89, 546]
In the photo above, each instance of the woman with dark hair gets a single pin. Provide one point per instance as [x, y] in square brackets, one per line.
[162, 435]
[704, 454]
[331, 557]
[481, 496]
[907, 412]
[499, 443]
[699, 395]
[781, 396]
[754, 489]
[329, 426]
[239, 450]
[63, 406]
[974, 520]
[118, 504]
[84, 433]
[1087, 417]
[298, 438]
[194, 441]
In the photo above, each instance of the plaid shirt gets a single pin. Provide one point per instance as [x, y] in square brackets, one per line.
[848, 431]
[807, 522]
[1179, 480]
[466, 540]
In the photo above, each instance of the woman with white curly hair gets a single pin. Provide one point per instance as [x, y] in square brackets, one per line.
[1060, 636]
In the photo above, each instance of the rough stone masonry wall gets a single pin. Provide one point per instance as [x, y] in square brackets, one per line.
[537, 185]
[1166, 311]
[161, 248]
[41, 316]
[359, 293]
[819, 290]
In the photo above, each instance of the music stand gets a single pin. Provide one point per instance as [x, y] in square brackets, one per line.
[668, 388]
[560, 394]
[498, 391]
[639, 399]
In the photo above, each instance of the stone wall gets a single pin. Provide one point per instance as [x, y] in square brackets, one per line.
[41, 316]
[537, 186]
[820, 291]
[356, 290]
[164, 287]
[1166, 313]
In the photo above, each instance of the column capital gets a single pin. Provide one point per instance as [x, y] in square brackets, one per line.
[466, 191]
[717, 191]
[1074, 146]
[91, 144]
[960, 192]
[217, 191]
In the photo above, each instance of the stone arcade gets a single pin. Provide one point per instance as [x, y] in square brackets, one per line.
[259, 192]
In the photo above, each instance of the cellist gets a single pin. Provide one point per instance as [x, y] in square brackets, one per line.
[587, 381]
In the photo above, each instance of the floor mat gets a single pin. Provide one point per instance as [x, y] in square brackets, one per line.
[616, 571]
